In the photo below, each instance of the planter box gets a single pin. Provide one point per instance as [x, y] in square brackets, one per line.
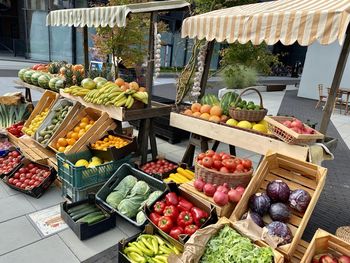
[298, 175]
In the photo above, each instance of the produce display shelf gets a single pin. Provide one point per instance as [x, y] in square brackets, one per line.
[122, 114]
[29, 86]
[245, 140]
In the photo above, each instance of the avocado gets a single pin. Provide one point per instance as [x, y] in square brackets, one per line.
[51, 127]
[45, 141]
[40, 139]
[42, 133]
[47, 136]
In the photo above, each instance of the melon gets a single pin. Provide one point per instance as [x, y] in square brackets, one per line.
[34, 78]
[52, 83]
[59, 85]
[21, 73]
[43, 81]
[28, 75]
[210, 99]
[227, 100]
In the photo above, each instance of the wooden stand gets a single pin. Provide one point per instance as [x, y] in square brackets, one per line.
[28, 88]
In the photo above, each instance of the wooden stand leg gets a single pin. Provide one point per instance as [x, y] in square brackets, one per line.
[152, 140]
[119, 128]
[143, 140]
[204, 144]
[28, 95]
[215, 146]
[189, 154]
[232, 150]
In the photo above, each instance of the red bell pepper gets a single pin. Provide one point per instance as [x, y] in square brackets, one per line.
[199, 216]
[159, 207]
[190, 229]
[171, 199]
[165, 223]
[185, 218]
[154, 218]
[184, 205]
[171, 211]
[176, 231]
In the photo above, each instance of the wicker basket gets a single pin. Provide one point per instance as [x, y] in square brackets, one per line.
[249, 115]
[287, 135]
[219, 178]
[343, 233]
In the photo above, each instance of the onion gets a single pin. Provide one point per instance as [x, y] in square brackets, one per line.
[209, 189]
[199, 184]
[220, 198]
[299, 200]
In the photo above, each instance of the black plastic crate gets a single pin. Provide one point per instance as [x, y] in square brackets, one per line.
[163, 175]
[84, 230]
[5, 153]
[39, 190]
[120, 174]
[77, 194]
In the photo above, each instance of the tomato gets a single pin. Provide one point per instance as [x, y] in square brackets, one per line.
[36, 183]
[31, 182]
[29, 175]
[217, 164]
[30, 166]
[18, 184]
[23, 186]
[22, 179]
[239, 168]
[209, 153]
[224, 169]
[216, 157]
[11, 180]
[229, 164]
[15, 181]
[226, 156]
[22, 170]
[200, 162]
[16, 176]
[207, 162]
[222, 154]
[238, 161]
[247, 163]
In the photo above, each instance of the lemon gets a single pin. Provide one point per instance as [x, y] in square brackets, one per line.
[82, 162]
[96, 159]
[232, 122]
[260, 127]
[263, 122]
[244, 124]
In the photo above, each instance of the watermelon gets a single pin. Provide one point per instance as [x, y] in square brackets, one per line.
[43, 81]
[34, 78]
[227, 100]
[59, 85]
[27, 76]
[210, 99]
[21, 73]
[52, 83]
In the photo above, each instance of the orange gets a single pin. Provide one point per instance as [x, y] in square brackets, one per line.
[69, 134]
[196, 114]
[214, 118]
[75, 136]
[88, 127]
[71, 141]
[62, 142]
[119, 82]
[76, 129]
[61, 149]
[85, 120]
[81, 133]
[216, 110]
[196, 107]
[205, 108]
[188, 112]
[92, 122]
[205, 116]
[83, 125]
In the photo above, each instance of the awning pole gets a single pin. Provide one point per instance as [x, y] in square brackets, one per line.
[86, 50]
[332, 96]
[207, 62]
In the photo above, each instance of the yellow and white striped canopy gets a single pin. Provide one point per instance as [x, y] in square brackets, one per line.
[107, 16]
[304, 21]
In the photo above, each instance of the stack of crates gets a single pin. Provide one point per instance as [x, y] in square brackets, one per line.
[78, 182]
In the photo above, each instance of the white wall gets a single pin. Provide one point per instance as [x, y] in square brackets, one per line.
[319, 68]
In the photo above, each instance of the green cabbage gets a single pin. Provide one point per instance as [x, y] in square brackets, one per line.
[140, 188]
[127, 183]
[130, 205]
[140, 217]
[114, 198]
[121, 191]
[152, 197]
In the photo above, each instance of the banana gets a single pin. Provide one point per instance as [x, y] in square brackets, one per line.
[136, 257]
[130, 91]
[121, 95]
[147, 244]
[113, 94]
[133, 249]
[121, 102]
[128, 101]
[145, 250]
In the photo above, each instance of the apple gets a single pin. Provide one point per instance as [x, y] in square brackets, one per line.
[287, 123]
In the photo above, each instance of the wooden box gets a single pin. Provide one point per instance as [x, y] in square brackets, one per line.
[48, 99]
[324, 242]
[298, 175]
[93, 133]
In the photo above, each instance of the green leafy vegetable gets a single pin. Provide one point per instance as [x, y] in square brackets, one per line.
[230, 247]
[140, 188]
[128, 182]
[152, 197]
[121, 191]
[140, 217]
[130, 206]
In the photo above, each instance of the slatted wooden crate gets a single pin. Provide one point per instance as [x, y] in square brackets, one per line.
[298, 175]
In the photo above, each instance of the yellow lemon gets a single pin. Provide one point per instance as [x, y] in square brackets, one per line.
[260, 128]
[82, 162]
[263, 122]
[244, 124]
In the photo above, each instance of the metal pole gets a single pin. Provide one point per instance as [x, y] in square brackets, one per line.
[86, 49]
[74, 41]
[343, 58]
[208, 55]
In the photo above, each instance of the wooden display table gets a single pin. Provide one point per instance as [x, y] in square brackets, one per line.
[28, 88]
[250, 141]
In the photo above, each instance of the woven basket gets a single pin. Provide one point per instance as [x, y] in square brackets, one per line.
[219, 178]
[344, 233]
[248, 115]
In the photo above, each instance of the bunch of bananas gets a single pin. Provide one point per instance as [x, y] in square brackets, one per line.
[77, 91]
[149, 248]
[112, 94]
[181, 176]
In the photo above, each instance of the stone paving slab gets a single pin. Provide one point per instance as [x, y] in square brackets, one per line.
[9, 190]
[16, 233]
[50, 198]
[3, 192]
[48, 250]
[14, 206]
[127, 228]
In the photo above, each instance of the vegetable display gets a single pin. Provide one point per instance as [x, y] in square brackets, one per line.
[149, 248]
[181, 176]
[175, 216]
[36, 122]
[109, 141]
[159, 166]
[16, 129]
[329, 258]
[9, 162]
[10, 114]
[228, 246]
[86, 213]
[297, 126]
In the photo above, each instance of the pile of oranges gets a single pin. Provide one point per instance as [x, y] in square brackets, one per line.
[206, 112]
[64, 144]
[110, 141]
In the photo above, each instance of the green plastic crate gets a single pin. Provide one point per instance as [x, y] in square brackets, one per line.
[82, 177]
[74, 194]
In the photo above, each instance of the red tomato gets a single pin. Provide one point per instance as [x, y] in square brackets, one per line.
[247, 163]
[22, 170]
[209, 153]
[23, 186]
[200, 162]
[216, 157]
[239, 168]
[217, 164]
[226, 156]
[207, 162]
[224, 169]
[16, 176]
[29, 175]
[31, 182]
[15, 181]
[221, 154]
[11, 180]
[238, 161]
[30, 166]
[22, 179]
[36, 183]
[18, 184]
[229, 164]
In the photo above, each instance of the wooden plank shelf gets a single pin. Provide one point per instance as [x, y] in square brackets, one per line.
[245, 140]
[122, 114]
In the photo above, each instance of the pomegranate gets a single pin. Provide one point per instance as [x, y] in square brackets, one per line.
[199, 184]
[220, 198]
[209, 190]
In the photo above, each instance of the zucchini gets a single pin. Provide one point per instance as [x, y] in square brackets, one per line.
[81, 210]
[76, 208]
[85, 213]
[88, 217]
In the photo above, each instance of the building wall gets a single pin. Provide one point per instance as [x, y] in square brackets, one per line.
[319, 68]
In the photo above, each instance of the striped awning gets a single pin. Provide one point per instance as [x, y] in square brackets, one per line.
[304, 21]
[111, 15]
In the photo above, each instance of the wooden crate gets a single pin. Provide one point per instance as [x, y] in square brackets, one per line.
[299, 252]
[298, 175]
[48, 99]
[99, 118]
[287, 135]
[324, 242]
[220, 210]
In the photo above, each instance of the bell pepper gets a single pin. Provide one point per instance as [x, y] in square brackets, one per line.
[190, 229]
[185, 218]
[154, 218]
[184, 205]
[159, 207]
[171, 199]
[176, 231]
[171, 211]
[199, 216]
[165, 223]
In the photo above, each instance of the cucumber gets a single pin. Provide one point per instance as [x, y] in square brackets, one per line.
[88, 217]
[77, 208]
[96, 219]
[85, 213]
[81, 210]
